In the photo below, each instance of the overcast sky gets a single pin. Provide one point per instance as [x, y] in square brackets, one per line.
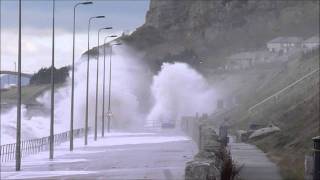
[122, 15]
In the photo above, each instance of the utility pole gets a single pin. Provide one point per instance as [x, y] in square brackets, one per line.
[52, 85]
[18, 136]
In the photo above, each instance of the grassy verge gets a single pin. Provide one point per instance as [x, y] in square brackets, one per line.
[28, 94]
[299, 124]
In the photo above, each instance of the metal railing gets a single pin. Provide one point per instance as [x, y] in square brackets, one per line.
[34, 146]
[275, 95]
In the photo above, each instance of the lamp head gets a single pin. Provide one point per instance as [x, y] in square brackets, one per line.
[113, 36]
[100, 17]
[87, 3]
[107, 28]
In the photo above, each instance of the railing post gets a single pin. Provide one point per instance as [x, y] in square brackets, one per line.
[38, 145]
[33, 146]
[22, 149]
[42, 144]
[6, 154]
[316, 169]
[11, 151]
[9, 154]
[29, 147]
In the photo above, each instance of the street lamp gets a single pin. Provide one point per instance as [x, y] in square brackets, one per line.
[0, 71]
[72, 81]
[18, 136]
[109, 114]
[52, 84]
[97, 85]
[87, 93]
[104, 79]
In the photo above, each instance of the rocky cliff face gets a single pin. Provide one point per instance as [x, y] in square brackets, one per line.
[215, 28]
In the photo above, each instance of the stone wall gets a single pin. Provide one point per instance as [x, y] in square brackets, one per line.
[208, 164]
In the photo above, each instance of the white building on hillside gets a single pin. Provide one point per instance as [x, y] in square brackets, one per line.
[9, 79]
[241, 60]
[284, 44]
[245, 60]
[311, 43]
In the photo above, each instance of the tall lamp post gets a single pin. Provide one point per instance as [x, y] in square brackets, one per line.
[87, 91]
[72, 81]
[109, 114]
[97, 85]
[0, 77]
[18, 142]
[52, 84]
[104, 81]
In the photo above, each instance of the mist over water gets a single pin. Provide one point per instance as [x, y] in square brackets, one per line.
[175, 91]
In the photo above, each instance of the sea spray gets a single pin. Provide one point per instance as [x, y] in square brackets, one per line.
[35, 127]
[179, 90]
[129, 79]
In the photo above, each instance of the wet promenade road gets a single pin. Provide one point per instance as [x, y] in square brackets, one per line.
[117, 156]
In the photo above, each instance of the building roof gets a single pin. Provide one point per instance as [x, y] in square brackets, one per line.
[313, 39]
[286, 40]
[16, 73]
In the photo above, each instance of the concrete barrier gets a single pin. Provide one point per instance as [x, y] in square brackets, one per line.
[208, 164]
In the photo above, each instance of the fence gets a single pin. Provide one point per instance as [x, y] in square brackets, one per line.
[33, 146]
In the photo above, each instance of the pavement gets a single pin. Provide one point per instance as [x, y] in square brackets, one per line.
[160, 155]
[256, 165]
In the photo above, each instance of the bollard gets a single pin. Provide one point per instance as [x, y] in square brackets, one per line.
[1, 153]
[223, 135]
[316, 169]
[200, 137]
[187, 126]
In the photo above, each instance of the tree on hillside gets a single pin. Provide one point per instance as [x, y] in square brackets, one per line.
[43, 76]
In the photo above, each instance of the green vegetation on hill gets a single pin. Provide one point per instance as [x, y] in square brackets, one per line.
[28, 94]
[295, 112]
[43, 76]
[299, 124]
